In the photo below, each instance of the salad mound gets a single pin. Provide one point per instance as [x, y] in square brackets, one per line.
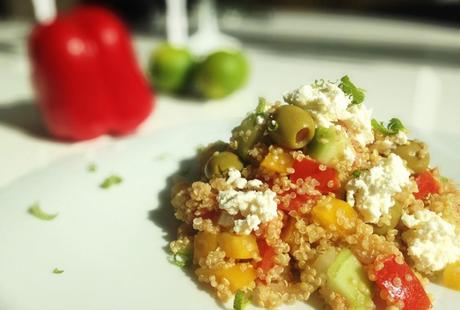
[311, 194]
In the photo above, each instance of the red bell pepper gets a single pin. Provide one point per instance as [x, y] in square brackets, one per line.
[426, 184]
[267, 254]
[396, 282]
[326, 176]
[86, 77]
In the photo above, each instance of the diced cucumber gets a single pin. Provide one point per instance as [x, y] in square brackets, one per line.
[328, 145]
[324, 260]
[347, 277]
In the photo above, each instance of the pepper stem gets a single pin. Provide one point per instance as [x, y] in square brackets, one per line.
[176, 22]
[45, 10]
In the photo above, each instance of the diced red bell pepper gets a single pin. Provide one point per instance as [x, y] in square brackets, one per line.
[86, 77]
[326, 176]
[266, 253]
[426, 184]
[397, 282]
[294, 204]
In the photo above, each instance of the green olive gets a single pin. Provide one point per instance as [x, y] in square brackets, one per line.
[292, 127]
[205, 153]
[247, 134]
[219, 164]
[395, 216]
[415, 155]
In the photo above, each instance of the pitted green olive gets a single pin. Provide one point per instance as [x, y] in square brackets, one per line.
[415, 154]
[205, 153]
[247, 134]
[395, 216]
[220, 163]
[291, 127]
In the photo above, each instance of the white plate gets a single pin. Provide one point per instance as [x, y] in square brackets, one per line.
[111, 243]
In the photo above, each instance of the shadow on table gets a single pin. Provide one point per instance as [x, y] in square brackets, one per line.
[25, 117]
[163, 217]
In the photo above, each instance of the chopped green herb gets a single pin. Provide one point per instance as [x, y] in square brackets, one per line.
[240, 301]
[91, 167]
[394, 126]
[356, 173]
[200, 148]
[111, 181]
[36, 211]
[444, 179]
[272, 125]
[165, 156]
[319, 83]
[57, 271]
[260, 109]
[350, 89]
[181, 259]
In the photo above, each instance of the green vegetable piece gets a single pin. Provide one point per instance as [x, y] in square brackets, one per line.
[260, 109]
[248, 134]
[181, 259]
[37, 211]
[356, 173]
[394, 126]
[91, 167]
[328, 146]
[58, 271]
[415, 155]
[240, 301]
[221, 73]
[357, 94]
[204, 153]
[170, 68]
[324, 261]
[220, 163]
[294, 127]
[347, 277]
[111, 181]
[395, 216]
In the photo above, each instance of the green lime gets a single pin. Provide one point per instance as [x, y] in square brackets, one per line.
[170, 67]
[221, 73]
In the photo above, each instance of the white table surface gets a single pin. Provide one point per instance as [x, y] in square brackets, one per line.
[425, 96]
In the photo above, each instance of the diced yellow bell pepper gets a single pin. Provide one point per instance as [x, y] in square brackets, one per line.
[277, 160]
[204, 243]
[239, 276]
[238, 246]
[451, 276]
[287, 234]
[335, 214]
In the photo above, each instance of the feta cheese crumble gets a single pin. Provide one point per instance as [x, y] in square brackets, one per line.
[328, 104]
[359, 124]
[432, 241]
[372, 192]
[251, 208]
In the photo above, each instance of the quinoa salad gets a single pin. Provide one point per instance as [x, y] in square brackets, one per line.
[312, 195]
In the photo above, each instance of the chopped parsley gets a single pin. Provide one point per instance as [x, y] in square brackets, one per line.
[356, 173]
[357, 94]
[111, 181]
[180, 259]
[319, 83]
[394, 126]
[37, 211]
[240, 301]
[91, 167]
[260, 109]
[57, 271]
